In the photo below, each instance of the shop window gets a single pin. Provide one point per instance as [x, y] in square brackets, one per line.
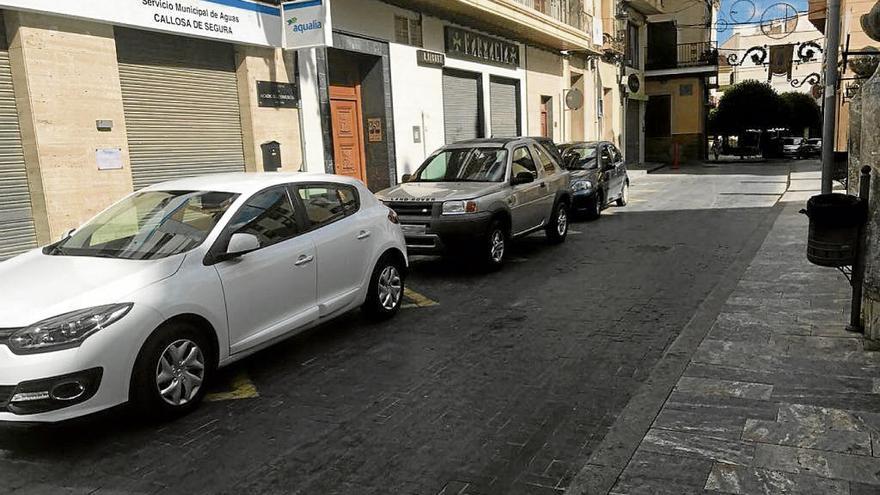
[407, 31]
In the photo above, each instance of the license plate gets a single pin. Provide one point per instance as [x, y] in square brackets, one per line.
[414, 229]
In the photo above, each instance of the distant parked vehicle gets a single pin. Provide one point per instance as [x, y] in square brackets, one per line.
[479, 195]
[794, 147]
[143, 302]
[813, 147]
[598, 176]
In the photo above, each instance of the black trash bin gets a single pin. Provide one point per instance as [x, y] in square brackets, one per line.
[835, 222]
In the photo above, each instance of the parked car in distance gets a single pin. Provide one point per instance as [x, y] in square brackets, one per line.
[813, 147]
[793, 147]
[480, 194]
[598, 176]
[143, 302]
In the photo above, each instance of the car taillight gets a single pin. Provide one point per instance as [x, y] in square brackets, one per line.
[392, 216]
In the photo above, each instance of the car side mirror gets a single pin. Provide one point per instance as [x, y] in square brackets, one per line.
[241, 244]
[406, 177]
[523, 178]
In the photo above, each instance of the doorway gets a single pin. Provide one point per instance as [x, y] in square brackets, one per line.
[346, 117]
[547, 116]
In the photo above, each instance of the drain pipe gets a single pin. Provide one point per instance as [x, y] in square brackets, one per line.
[858, 270]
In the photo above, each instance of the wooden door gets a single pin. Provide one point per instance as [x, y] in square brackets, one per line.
[348, 131]
[545, 130]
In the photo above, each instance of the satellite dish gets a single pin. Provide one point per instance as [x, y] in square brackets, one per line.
[574, 99]
[633, 83]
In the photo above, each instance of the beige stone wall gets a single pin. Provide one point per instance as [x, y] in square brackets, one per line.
[260, 125]
[544, 77]
[66, 77]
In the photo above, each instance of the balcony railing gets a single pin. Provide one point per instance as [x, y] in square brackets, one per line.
[569, 12]
[699, 54]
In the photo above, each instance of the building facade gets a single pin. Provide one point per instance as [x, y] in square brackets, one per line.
[98, 100]
[681, 68]
[852, 40]
[798, 32]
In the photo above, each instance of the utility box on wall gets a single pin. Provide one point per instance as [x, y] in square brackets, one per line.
[271, 156]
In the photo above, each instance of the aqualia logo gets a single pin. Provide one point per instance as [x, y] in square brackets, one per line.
[298, 27]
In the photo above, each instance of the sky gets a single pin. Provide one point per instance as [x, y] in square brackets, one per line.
[750, 11]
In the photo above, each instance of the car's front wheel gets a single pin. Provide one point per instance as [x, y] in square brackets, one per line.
[385, 293]
[494, 248]
[557, 227]
[624, 195]
[171, 372]
[595, 206]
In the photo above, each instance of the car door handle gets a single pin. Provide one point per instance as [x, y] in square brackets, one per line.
[304, 260]
[543, 184]
[363, 234]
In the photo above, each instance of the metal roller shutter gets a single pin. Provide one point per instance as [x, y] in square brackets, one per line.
[462, 109]
[504, 107]
[16, 219]
[180, 97]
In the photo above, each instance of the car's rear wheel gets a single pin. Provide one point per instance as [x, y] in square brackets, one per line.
[385, 293]
[171, 372]
[557, 227]
[494, 246]
[624, 195]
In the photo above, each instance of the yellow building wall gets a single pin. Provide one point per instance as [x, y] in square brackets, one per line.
[66, 77]
[687, 111]
[261, 124]
[544, 77]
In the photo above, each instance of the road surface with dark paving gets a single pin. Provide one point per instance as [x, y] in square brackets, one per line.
[505, 386]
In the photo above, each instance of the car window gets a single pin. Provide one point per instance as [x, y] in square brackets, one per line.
[523, 162]
[580, 157]
[463, 165]
[544, 158]
[269, 215]
[615, 154]
[606, 156]
[148, 225]
[326, 203]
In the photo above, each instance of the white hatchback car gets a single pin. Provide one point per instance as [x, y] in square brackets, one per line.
[147, 299]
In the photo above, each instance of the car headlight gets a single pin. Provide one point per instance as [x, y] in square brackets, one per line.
[459, 207]
[67, 330]
[581, 185]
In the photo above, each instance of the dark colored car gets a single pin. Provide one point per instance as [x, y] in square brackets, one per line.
[813, 147]
[598, 176]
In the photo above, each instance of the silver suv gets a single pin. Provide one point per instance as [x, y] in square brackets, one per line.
[478, 195]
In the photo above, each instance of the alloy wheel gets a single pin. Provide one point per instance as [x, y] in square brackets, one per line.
[180, 372]
[496, 246]
[625, 193]
[561, 221]
[390, 287]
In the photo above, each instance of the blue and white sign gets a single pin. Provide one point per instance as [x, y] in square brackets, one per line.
[307, 24]
[235, 21]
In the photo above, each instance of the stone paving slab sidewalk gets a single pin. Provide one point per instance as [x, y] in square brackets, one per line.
[778, 397]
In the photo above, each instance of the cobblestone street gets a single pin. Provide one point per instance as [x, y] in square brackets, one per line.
[514, 382]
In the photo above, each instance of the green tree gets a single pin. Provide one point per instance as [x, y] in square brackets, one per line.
[801, 112]
[748, 105]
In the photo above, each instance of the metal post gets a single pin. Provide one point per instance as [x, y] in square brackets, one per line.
[829, 136]
[858, 269]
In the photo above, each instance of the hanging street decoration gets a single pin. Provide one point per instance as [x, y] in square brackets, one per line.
[781, 57]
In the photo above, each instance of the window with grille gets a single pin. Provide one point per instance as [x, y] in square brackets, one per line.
[408, 31]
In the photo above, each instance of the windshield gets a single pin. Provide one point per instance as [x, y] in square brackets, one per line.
[148, 225]
[579, 158]
[464, 165]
